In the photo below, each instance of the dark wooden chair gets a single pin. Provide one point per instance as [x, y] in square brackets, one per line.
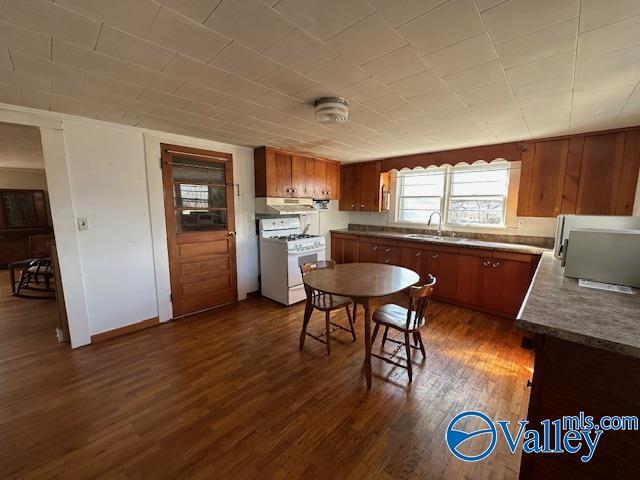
[35, 276]
[408, 321]
[326, 303]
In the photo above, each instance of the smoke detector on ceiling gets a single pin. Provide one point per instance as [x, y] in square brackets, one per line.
[332, 110]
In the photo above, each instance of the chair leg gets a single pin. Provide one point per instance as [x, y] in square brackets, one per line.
[384, 336]
[353, 330]
[305, 322]
[328, 334]
[375, 333]
[407, 346]
[424, 354]
[354, 312]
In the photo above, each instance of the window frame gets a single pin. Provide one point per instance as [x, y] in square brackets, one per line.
[447, 196]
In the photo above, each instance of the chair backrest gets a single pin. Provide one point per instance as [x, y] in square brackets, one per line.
[309, 267]
[419, 297]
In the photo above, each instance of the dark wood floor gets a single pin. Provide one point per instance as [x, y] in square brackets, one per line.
[227, 395]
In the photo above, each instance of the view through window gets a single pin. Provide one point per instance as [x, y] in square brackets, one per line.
[463, 195]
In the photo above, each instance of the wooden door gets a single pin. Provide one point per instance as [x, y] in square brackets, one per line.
[333, 180]
[282, 177]
[344, 248]
[198, 197]
[298, 177]
[505, 282]
[368, 250]
[369, 186]
[443, 264]
[543, 175]
[320, 176]
[602, 157]
[416, 258]
[349, 188]
[472, 268]
[310, 177]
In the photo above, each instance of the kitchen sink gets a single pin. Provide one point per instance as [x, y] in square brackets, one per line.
[433, 238]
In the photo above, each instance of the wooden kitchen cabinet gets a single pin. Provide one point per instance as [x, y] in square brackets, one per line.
[378, 250]
[361, 188]
[279, 173]
[443, 263]
[344, 248]
[415, 256]
[587, 174]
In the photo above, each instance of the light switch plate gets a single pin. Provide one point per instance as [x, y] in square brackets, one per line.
[83, 223]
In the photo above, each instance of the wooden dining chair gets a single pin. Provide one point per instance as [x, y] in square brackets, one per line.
[408, 321]
[327, 303]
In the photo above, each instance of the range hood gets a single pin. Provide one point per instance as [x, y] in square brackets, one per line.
[284, 206]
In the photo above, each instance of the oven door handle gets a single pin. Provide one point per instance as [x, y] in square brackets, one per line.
[301, 252]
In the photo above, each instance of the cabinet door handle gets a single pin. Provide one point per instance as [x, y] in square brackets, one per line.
[353, 206]
[495, 264]
[485, 263]
[387, 250]
[418, 254]
[435, 256]
[361, 206]
[386, 260]
[375, 247]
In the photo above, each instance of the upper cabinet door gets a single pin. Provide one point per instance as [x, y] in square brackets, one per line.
[543, 171]
[369, 183]
[320, 179]
[602, 159]
[282, 180]
[349, 187]
[333, 180]
[299, 185]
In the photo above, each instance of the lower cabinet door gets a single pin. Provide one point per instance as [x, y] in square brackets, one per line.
[444, 266]
[505, 285]
[368, 252]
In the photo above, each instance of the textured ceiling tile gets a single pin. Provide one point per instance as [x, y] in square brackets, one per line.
[417, 84]
[198, 10]
[366, 89]
[51, 19]
[200, 94]
[366, 40]
[400, 12]
[131, 16]
[610, 70]
[27, 41]
[243, 61]
[153, 79]
[104, 84]
[487, 93]
[285, 81]
[396, 65]
[386, 103]
[84, 59]
[596, 13]
[557, 66]
[516, 18]
[300, 51]
[196, 72]
[490, 72]
[461, 56]
[250, 22]
[241, 88]
[185, 36]
[324, 18]
[44, 68]
[131, 48]
[443, 26]
[545, 43]
[623, 34]
[337, 73]
[151, 96]
[276, 100]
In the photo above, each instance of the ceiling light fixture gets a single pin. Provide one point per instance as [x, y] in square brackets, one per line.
[332, 110]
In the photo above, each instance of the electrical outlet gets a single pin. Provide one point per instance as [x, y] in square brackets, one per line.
[83, 223]
[521, 223]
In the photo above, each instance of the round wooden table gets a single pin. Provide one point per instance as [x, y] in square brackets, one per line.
[361, 282]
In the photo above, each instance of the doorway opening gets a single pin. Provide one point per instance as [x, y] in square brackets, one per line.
[32, 309]
[199, 212]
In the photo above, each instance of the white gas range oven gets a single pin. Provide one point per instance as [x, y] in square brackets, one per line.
[283, 249]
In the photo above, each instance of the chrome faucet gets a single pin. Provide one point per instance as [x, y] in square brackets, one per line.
[439, 222]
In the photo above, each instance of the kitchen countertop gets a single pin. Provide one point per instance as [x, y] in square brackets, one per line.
[558, 307]
[449, 241]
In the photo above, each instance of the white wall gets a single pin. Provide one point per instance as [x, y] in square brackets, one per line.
[116, 273]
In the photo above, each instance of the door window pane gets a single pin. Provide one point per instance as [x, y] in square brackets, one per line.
[189, 195]
[200, 220]
[198, 171]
